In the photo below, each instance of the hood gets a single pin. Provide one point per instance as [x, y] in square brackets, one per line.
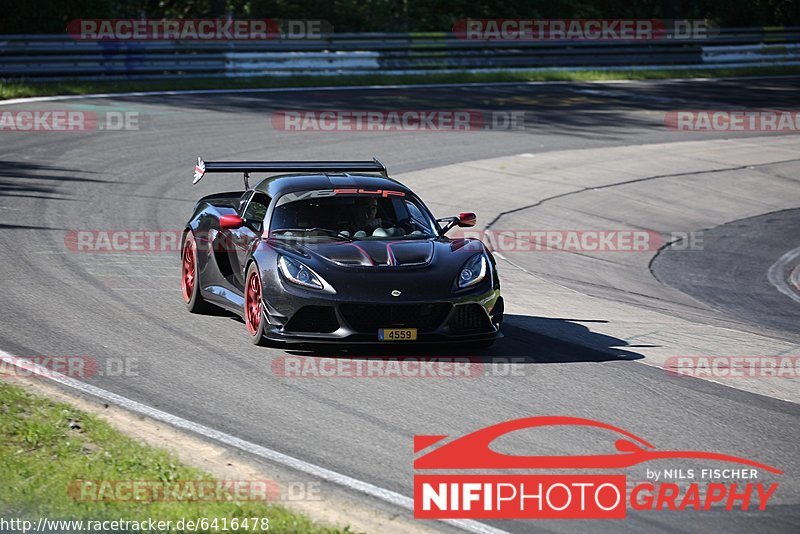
[376, 253]
[388, 253]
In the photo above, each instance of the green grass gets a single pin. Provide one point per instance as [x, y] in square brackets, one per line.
[45, 446]
[18, 89]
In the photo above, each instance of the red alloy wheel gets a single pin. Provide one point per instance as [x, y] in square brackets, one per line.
[188, 271]
[252, 304]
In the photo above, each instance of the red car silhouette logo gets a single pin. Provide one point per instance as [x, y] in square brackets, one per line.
[473, 450]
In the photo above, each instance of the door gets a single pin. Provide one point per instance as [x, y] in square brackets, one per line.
[246, 238]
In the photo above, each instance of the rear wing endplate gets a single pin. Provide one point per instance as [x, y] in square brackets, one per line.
[246, 167]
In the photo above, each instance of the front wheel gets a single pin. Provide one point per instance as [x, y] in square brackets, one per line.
[253, 313]
[190, 283]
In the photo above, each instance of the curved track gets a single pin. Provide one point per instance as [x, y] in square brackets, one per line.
[203, 368]
[729, 273]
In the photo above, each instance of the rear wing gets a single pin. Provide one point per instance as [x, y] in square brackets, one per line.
[246, 167]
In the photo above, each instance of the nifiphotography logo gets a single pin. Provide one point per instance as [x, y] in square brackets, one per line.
[491, 494]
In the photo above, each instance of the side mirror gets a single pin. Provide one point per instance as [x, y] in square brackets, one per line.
[230, 222]
[467, 219]
[464, 220]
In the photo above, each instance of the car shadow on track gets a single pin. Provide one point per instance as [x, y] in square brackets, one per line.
[559, 340]
[21, 179]
[526, 340]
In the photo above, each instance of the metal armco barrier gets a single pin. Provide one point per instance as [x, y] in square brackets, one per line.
[58, 57]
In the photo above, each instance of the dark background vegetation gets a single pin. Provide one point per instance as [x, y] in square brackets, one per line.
[51, 16]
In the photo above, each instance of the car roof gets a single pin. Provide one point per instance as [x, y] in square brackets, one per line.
[275, 186]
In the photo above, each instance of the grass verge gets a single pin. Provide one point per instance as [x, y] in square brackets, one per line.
[46, 446]
[20, 89]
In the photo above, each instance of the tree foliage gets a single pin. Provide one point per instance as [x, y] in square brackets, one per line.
[51, 16]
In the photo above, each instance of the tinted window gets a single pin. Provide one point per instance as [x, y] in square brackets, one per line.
[243, 201]
[356, 216]
[257, 208]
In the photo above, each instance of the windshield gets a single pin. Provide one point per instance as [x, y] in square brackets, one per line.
[326, 215]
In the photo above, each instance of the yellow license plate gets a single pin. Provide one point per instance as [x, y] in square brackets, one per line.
[397, 334]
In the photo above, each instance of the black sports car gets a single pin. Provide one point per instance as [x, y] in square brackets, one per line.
[337, 253]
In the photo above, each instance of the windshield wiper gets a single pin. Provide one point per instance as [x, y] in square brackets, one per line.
[326, 231]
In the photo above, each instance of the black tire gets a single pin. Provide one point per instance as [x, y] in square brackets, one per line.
[190, 287]
[255, 331]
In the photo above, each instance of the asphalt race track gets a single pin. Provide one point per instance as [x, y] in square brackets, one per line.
[571, 360]
[718, 275]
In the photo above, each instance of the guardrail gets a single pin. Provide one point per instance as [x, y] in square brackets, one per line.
[58, 57]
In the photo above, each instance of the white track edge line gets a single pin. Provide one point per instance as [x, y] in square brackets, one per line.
[227, 439]
[776, 276]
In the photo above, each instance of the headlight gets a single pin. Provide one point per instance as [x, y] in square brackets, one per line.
[298, 273]
[473, 271]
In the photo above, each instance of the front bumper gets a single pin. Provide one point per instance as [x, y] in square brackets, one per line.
[321, 320]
